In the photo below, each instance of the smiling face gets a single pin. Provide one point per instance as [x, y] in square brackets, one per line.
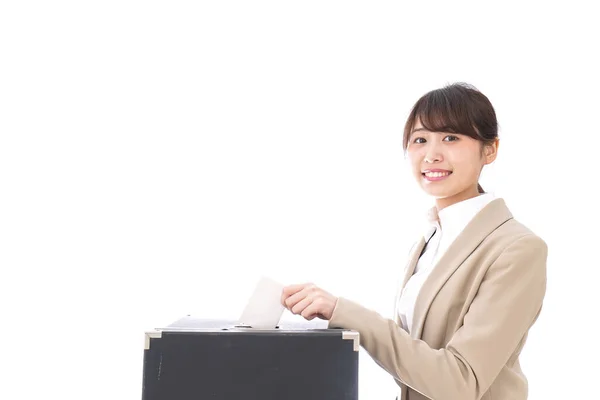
[446, 165]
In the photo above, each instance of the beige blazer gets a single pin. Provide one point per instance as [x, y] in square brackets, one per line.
[471, 316]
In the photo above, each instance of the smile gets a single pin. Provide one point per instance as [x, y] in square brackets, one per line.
[436, 176]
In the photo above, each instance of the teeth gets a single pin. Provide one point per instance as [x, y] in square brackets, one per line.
[436, 174]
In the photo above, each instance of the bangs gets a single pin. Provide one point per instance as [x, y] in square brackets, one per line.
[439, 113]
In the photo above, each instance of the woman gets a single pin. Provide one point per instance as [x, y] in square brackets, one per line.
[473, 286]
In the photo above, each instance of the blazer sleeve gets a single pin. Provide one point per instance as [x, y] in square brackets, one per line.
[507, 303]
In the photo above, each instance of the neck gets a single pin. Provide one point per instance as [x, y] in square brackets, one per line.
[443, 202]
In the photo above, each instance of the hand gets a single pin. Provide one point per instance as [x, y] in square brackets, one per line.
[309, 301]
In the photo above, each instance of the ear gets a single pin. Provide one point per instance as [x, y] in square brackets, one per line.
[490, 151]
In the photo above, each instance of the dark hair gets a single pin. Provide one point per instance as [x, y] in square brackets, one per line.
[456, 108]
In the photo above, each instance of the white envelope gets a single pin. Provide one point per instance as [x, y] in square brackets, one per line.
[264, 308]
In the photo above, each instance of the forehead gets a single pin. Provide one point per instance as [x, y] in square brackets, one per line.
[418, 127]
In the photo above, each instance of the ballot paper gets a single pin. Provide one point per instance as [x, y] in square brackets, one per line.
[264, 308]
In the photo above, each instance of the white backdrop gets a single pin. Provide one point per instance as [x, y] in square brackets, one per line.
[157, 157]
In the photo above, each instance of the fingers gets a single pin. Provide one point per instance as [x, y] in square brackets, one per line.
[300, 306]
[294, 299]
[309, 301]
[309, 308]
[314, 309]
[291, 290]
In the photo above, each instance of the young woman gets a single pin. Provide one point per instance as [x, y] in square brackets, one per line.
[473, 285]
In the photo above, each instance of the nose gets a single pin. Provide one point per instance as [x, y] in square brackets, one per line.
[432, 153]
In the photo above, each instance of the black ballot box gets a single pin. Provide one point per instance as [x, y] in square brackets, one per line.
[195, 359]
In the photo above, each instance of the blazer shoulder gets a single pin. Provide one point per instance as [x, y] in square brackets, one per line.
[504, 225]
[516, 230]
[514, 235]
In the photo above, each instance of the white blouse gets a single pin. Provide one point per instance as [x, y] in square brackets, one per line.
[443, 228]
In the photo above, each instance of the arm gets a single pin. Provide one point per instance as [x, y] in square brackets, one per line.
[506, 305]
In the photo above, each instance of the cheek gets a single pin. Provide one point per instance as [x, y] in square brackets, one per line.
[468, 165]
[415, 163]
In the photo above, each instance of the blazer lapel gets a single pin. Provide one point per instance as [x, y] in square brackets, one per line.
[485, 222]
[408, 271]
[412, 261]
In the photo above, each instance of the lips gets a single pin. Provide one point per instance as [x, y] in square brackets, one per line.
[436, 175]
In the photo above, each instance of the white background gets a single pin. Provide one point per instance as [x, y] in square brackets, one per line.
[157, 157]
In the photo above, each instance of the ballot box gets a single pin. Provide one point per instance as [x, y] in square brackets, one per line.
[220, 360]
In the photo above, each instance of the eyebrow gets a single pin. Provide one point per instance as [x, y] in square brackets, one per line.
[419, 129]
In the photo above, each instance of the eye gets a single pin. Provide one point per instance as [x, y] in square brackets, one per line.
[419, 140]
[452, 138]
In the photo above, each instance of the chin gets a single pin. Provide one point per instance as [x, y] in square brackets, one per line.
[439, 193]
